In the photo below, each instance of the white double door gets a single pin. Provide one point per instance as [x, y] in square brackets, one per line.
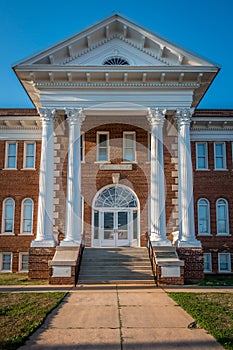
[115, 228]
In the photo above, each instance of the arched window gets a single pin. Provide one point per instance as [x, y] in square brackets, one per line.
[203, 212]
[115, 61]
[116, 197]
[27, 215]
[222, 217]
[8, 215]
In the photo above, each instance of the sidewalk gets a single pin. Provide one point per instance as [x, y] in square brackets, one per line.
[119, 317]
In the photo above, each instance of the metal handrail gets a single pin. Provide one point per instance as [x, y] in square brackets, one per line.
[151, 256]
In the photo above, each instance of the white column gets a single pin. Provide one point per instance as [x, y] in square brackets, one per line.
[187, 236]
[44, 236]
[158, 215]
[73, 230]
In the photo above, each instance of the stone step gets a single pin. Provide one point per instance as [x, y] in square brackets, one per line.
[115, 265]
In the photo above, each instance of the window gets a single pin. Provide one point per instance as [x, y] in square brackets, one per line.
[115, 61]
[6, 262]
[82, 147]
[203, 212]
[29, 155]
[222, 217]
[201, 155]
[8, 216]
[207, 262]
[23, 262]
[27, 215]
[102, 146]
[11, 155]
[224, 262]
[219, 155]
[129, 146]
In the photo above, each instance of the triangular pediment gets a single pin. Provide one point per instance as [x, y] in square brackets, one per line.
[116, 37]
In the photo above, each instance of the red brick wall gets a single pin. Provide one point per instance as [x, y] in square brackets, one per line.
[18, 184]
[214, 184]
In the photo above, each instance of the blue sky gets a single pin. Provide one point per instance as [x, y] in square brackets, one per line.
[204, 27]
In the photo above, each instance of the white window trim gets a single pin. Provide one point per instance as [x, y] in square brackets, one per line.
[22, 216]
[210, 255]
[21, 260]
[3, 218]
[134, 146]
[208, 208]
[206, 156]
[6, 155]
[224, 156]
[1, 262]
[229, 262]
[97, 146]
[24, 155]
[227, 218]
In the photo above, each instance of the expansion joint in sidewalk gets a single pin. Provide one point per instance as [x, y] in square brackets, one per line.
[120, 321]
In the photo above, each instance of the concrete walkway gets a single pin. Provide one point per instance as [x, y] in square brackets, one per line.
[119, 317]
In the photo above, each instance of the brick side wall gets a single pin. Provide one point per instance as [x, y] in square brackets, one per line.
[18, 184]
[212, 185]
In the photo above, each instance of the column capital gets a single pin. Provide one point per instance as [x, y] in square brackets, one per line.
[184, 115]
[47, 115]
[75, 115]
[156, 116]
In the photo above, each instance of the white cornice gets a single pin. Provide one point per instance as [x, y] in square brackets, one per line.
[20, 133]
[118, 85]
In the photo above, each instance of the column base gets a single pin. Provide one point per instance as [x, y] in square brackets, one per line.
[189, 244]
[43, 243]
[69, 243]
[161, 243]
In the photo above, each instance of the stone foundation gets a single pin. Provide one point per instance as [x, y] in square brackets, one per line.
[166, 281]
[38, 262]
[193, 264]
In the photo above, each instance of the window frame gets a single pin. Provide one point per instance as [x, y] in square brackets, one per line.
[134, 146]
[227, 233]
[206, 167]
[228, 261]
[82, 147]
[21, 254]
[98, 134]
[223, 156]
[7, 143]
[3, 232]
[2, 262]
[209, 255]
[22, 232]
[208, 233]
[25, 155]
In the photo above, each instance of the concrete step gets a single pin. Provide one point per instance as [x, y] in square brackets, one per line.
[115, 265]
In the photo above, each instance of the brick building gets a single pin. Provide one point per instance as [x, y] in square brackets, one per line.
[115, 149]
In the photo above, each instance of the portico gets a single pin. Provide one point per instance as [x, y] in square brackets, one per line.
[115, 90]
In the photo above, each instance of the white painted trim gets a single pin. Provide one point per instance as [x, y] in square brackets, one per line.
[7, 143]
[14, 134]
[210, 262]
[208, 233]
[224, 156]
[22, 217]
[211, 135]
[229, 262]
[24, 155]
[1, 262]
[206, 155]
[134, 146]
[20, 261]
[227, 233]
[3, 217]
[97, 146]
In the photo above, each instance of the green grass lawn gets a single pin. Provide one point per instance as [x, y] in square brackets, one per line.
[22, 313]
[217, 280]
[18, 278]
[211, 311]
